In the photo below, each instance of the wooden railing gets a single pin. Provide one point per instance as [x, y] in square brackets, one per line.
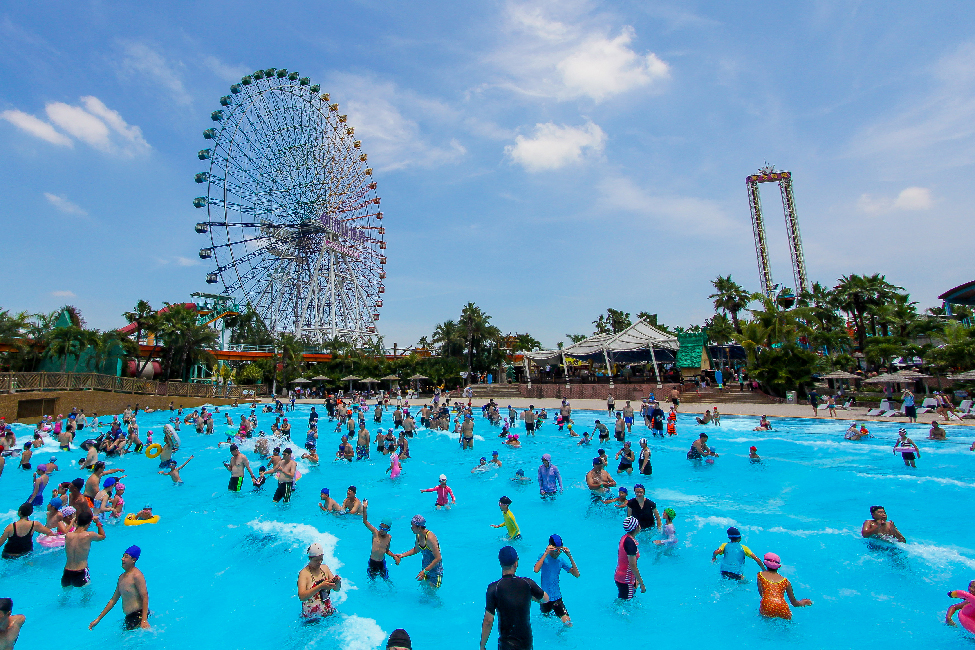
[52, 381]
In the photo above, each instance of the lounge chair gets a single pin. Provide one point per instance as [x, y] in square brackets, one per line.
[883, 408]
[927, 406]
[845, 407]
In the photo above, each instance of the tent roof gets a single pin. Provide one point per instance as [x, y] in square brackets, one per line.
[639, 336]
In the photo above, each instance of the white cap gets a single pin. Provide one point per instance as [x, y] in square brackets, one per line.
[443, 477]
[315, 550]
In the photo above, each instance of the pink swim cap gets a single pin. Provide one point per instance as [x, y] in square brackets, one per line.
[772, 561]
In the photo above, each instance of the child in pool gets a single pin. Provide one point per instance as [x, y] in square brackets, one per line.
[966, 608]
[118, 502]
[145, 514]
[586, 438]
[482, 466]
[620, 500]
[394, 468]
[670, 534]
[753, 455]
[261, 477]
[520, 477]
[173, 471]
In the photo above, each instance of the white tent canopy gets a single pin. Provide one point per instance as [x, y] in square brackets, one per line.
[639, 336]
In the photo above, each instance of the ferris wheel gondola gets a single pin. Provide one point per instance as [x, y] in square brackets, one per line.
[292, 211]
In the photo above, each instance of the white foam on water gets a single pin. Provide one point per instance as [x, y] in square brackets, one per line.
[919, 479]
[809, 533]
[359, 633]
[666, 494]
[940, 556]
[301, 536]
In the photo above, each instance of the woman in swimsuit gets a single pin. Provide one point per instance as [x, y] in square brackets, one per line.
[19, 535]
[645, 467]
[773, 587]
[429, 548]
[315, 584]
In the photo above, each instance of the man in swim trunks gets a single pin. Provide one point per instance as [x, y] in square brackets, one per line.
[628, 417]
[131, 588]
[77, 546]
[551, 564]
[362, 444]
[380, 545]
[529, 417]
[675, 398]
[92, 484]
[236, 466]
[626, 457]
[315, 584]
[733, 554]
[428, 546]
[879, 526]
[286, 477]
[603, 432]
[328, 504]
[510, 599]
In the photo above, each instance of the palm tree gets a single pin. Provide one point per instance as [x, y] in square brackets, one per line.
[448, 336]
[62, 342]
[753, 335]
[480, 335]
[859, 296]
[147, 322]
[526, 343]
[731, 298]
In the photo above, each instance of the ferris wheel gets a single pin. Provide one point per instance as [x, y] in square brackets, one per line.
[292, 212]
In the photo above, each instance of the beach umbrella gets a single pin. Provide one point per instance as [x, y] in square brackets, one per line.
[320, 378]
[300, 380]
[884, 379]
[839, 374]
[964, 376]
[368, 380]
[418, 377]
[350, 379]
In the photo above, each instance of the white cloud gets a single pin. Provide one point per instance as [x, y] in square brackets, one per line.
[186, 261]
[95, 124]
[131, 134]
[142, 61]
[570, 59]
[63, 294]
[678, 213]
[80, 123]
[553, 146]
[391, 122]
[602, 67]
[230, 73]
[909, 199]
[64, 205]
[36, 127]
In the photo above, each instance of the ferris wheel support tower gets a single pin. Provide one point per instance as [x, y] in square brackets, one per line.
[768, 174]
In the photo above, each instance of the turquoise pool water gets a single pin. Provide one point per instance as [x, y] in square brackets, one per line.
[222, 568]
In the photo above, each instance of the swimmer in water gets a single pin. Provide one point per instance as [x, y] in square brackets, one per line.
[699, 449]
[509, 519]
[328, 504]
[619, 500]
[380, 545]
[772, 587]
[879, 526]
[670, 533]
[173, 471]
[903, 442]
[481, 466]
[763, 424]
[967, 608]
[733, 554]
[586, 438]
[443, 493]
[520, 477]
[753, 455]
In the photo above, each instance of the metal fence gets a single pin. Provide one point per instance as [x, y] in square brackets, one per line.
[53, 381]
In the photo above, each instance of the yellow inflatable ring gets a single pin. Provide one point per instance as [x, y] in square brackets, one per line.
[153, 450]
[130, 520]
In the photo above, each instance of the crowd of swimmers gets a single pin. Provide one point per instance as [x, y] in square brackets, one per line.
[75, 506]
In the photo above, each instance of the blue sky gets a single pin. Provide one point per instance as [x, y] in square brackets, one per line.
[543, 160]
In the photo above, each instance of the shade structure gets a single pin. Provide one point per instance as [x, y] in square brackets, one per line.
[301, 380]
[910, 375]
[887, 379]
[964, 376]
[368, 380]
[390, 378]
[350, 378]
[418, 377]
[639, 336]
[839, 374]
[320, 378]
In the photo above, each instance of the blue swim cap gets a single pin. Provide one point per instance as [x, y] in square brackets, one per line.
[57, 503]
[507, 556]
[324, 490]
[133, 552]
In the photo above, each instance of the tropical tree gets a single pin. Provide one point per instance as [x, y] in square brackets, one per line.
[730, 298]
[62, 342]
[526, 343]
[613, 321]
[449, 339]
[859, 296]
[482, 338]
[576, 338]
[719, 329]
[147, 322]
